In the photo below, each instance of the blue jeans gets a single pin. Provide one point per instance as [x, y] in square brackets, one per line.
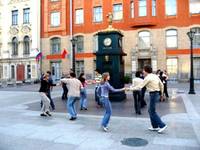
[71, 105]
[155, 119]
[83, 98]
[108, 111]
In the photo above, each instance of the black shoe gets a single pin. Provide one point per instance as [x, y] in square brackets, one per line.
[72, 118]
[48, 113]
[81, 108]
[43, 115]
[85, 108]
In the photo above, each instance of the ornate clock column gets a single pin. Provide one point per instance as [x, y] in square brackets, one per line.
[109, 58]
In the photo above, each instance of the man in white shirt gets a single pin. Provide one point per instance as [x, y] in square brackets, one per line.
[155, 87]
[137, 94]
[74, 87]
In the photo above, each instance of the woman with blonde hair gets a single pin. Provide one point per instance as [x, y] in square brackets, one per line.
[103, 93]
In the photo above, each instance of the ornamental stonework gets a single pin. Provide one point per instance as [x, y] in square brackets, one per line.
[25, 29]
[14, 31]
[17, 1]
[55, 6]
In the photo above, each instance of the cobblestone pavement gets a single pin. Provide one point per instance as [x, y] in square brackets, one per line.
[21, 127]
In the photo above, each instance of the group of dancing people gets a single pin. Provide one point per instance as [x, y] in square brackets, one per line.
[76, 88]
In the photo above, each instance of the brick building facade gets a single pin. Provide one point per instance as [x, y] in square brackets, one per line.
[155, 32]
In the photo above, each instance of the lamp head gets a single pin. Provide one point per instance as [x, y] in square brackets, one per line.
[191, 34]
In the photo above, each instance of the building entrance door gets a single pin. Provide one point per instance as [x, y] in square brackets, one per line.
[20, 72]
[142, 63]
[56, 71]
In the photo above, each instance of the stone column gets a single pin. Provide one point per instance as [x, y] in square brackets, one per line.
[154, 59]
[134, 61]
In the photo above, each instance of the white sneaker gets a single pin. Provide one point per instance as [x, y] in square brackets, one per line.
[153, 129]
[105, 129]
[162, 129]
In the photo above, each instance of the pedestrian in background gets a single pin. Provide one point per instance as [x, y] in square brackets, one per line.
[143, 102]
[103, 92]
[43, 93]
[65, 89]
[74, 87]
[83, 94]
[165, 76]
[137, 94]
[50, 88]
[155, 87]
[98, 78]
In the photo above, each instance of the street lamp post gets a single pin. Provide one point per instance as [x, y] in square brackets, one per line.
[73, 40]
[191, 37]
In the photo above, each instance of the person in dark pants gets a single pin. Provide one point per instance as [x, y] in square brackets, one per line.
[98, 78]
[155, 87]
[50, 87]
[65, 89]
[165, 84]
[143, 102]
[137, 94]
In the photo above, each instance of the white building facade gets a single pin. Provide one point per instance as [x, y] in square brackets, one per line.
[19, 40]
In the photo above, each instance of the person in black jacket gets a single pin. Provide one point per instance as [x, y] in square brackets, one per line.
[50, 88]
[43, 93]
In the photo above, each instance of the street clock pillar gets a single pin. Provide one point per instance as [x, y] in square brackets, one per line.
[109, 58]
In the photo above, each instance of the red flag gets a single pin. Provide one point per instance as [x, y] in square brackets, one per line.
[64, 53]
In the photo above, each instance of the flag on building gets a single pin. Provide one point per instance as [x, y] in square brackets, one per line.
[38, 56]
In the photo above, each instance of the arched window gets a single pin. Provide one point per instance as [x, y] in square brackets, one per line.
[144, 40]
[80, 44]
[171, 38]
[26, 45]
[55, 45]
[14, 46]
[196, 40]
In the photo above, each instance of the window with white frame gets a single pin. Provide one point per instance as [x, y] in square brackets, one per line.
[117, 12]
[79, 67]
[95, 43]
[153, 7]
[196, 67]
[144, 40]
[170, 7]
[142, 8]
[12, 72]
[80, 44]
[55, 19]
[132, 9]
[28, 71]
[194, 6]
[55, 45]
[97, 14]
[171, 38]
[172, 68]
[196, 40]
[26, 45]
[14, 46]
[15, 17]
[26, 15]
[79, 19]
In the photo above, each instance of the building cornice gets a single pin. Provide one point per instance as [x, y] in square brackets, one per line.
[17, 1]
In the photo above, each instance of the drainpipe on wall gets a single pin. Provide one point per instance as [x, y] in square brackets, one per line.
[71, 27]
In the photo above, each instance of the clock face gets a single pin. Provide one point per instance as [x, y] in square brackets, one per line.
[107, 41]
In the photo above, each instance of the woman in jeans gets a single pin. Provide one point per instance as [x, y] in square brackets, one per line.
[103, 93]
[83, 94]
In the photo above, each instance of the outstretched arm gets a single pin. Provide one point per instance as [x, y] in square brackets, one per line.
[113, 89]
